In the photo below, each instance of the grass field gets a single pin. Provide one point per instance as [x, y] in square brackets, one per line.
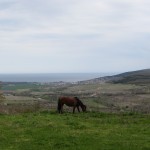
[80, 131]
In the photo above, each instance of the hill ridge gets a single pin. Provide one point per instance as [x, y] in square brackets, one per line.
[131, 77]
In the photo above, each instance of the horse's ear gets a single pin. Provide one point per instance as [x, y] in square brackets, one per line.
[76, 98]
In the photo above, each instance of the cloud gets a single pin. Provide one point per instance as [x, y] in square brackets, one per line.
[92, 36]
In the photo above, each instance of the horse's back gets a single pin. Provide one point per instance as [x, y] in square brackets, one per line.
[69, 101]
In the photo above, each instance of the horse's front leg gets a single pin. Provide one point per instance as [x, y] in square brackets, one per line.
[74, 107]
[78, 108]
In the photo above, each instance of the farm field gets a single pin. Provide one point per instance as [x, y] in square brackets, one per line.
[92, 130]
[101, 97]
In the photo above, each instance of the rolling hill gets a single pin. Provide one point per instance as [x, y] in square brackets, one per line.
[134, 77]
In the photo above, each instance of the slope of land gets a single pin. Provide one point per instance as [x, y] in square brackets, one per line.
[117, 117]
[134, 77]
[130, 94]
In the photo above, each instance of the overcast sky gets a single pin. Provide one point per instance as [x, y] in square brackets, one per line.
[51, 36]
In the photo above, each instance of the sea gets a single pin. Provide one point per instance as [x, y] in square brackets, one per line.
[51, 77]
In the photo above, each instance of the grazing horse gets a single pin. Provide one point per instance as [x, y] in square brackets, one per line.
[71, 102]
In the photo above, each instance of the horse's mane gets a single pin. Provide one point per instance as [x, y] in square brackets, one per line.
[79, 102]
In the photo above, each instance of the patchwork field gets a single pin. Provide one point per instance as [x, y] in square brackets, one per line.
[102, 97]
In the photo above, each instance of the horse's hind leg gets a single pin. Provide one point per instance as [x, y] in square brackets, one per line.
[61, 110]
[74, 109]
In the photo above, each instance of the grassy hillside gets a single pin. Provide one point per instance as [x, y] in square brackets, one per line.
[133, 77]
[90, 131]
[107, 97]
[130, 94]
[124, 123]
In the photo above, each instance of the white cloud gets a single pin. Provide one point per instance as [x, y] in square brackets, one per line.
[90, 35]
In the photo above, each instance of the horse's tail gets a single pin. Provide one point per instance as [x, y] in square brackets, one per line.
[59, 105]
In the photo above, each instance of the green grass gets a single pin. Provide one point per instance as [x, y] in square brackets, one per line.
[87, 131]
[16, 86]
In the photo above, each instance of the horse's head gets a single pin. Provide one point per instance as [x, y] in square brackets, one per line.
[83, 108]
[80, 104]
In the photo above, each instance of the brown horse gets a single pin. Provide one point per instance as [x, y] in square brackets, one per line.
[71, 102]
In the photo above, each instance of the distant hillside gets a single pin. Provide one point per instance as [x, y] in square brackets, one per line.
[134, 77]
